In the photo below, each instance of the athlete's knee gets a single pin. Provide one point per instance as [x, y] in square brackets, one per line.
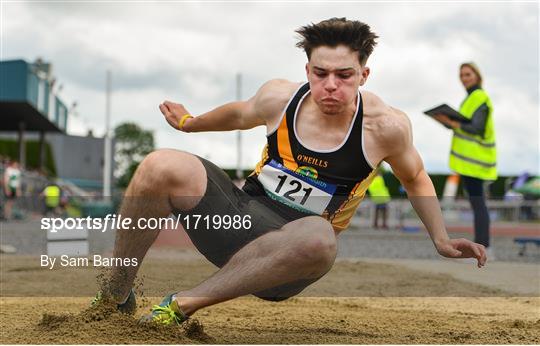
[319, 250]
[165, 167]
[318, 246]
[152, 165]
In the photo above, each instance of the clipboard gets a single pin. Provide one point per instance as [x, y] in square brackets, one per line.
[448, 111]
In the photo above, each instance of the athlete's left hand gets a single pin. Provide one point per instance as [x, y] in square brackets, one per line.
[463, 248]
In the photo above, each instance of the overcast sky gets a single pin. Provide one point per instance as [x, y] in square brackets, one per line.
[190, 52]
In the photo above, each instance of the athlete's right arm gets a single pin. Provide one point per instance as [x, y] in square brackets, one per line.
[261, 109]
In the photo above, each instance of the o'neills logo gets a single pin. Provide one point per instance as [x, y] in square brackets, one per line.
[312, 160]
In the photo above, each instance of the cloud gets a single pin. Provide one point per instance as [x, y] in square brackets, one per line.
[191, 52]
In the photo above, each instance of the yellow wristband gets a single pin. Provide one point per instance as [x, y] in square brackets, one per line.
[183, 120]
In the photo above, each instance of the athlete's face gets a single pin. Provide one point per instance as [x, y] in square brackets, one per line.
[334, 75]
[468, 77]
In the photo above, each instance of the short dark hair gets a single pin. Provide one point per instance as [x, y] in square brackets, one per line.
[338, 31]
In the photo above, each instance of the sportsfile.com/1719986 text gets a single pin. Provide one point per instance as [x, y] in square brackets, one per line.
[114, 221]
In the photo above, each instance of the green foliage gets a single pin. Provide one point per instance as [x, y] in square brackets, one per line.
[132, 144]
[124, 179]
[10, 148]
[496, 189]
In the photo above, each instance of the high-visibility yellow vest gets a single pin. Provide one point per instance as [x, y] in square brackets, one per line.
[378, 192]
[474, 155]
[52, 196]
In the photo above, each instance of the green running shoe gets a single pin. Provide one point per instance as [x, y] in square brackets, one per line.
[167, 312]
[128, 307]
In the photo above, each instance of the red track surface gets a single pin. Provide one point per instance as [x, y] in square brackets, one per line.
[513, 230]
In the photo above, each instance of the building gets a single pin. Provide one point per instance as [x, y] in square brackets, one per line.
[30, 109]
[28, 102]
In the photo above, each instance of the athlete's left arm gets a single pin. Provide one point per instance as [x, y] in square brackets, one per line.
[409, 169]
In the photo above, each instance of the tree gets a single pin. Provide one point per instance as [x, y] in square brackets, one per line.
[132, 144]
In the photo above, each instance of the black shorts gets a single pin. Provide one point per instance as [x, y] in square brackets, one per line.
[382, 206]
[13, 194]
[219, 243]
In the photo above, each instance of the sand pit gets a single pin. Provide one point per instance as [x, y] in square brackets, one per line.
[301, 320]
[385, 304]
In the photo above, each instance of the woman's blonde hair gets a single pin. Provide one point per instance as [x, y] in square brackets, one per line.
[475, 69]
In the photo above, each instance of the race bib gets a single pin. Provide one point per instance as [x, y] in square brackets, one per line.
[296, 190]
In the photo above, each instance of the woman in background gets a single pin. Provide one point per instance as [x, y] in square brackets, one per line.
[473, 154]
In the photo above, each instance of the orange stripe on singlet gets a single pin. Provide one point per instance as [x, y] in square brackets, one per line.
[342, 217]
[284, 145]
[264, 157]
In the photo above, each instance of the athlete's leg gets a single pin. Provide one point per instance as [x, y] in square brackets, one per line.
[7, 209]
[161, 176]
[10, 202]
[384, 208]
[302, 249]
[376, 217]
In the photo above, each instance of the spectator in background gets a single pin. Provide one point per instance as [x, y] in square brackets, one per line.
[380, 196]
[473, 154]
[52, 195]
[12, 187]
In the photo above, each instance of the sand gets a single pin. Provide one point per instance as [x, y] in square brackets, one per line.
[360, 303]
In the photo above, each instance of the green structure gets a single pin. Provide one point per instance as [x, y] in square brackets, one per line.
[28, 103]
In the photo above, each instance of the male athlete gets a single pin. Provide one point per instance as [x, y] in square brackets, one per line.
[325, 139]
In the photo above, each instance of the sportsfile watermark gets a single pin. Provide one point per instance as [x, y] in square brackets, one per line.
[396, 259]
[114, 221]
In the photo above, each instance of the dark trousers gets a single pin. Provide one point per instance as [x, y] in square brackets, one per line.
[475, 190]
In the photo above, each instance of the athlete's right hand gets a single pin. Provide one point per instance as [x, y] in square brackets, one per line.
[173, 113]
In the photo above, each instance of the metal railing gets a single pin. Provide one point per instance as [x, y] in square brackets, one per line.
[400, 212]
